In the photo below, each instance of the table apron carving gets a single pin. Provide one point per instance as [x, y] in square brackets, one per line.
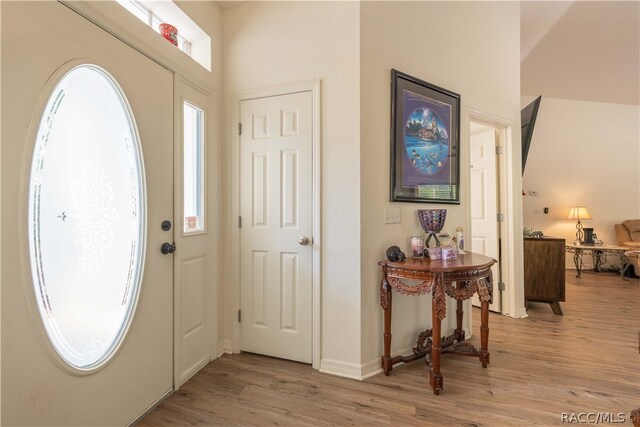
[460, 279]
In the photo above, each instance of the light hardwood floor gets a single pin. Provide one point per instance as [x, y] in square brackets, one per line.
[586, 361]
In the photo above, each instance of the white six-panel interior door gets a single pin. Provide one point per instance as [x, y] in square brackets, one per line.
[276, 226]
[484, 206]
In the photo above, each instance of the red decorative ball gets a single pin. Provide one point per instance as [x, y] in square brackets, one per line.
[170, 33]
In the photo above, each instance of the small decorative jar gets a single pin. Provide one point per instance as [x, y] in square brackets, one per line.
[417, 246]
[449, 253]
[169, 32]
[435, 253]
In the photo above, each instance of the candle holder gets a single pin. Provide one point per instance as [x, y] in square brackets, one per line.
[432, 222]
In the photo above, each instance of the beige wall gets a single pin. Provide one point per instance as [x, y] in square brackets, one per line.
[583, 153]
[351, 47]
[274, 43]
[470, 48]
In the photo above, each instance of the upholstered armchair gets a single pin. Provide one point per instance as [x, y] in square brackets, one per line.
[629, 233]
[629, 236]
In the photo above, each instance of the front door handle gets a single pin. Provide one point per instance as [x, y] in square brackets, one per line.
[168, 248]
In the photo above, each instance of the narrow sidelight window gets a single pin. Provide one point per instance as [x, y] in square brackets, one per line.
[193, 168]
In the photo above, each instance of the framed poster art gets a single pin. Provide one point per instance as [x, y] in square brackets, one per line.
[425, 141]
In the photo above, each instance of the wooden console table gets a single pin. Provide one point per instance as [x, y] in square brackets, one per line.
[460, 279]
[544, 271]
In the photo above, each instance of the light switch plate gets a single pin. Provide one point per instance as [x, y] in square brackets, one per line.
[391, 215]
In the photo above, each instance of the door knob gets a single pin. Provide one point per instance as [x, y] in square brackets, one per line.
[303, 240]
[168, 248]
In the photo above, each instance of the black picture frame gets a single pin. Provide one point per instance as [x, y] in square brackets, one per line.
[425, 141]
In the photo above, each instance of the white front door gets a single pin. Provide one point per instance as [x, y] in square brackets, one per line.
[484, 190]
[276, 225]
[83, 346]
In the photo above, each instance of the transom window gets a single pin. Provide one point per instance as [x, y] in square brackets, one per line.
[192, 40]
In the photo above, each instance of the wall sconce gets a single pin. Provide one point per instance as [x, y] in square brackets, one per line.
[579, 213]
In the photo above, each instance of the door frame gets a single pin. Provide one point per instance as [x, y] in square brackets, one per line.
[510, 244]
[312, 86]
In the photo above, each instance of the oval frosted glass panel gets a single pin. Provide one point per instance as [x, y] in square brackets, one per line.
[86, 217]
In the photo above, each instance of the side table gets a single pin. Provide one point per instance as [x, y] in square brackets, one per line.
[598, 252]
[460, 279]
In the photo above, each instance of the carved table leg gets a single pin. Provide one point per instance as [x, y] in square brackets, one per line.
[484, 334]
[385, 302]
[577, 258]
[459, 313]
[435, 377]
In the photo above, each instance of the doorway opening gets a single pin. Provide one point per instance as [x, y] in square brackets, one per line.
[494, 206]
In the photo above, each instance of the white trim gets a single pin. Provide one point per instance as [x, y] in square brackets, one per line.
[510, 229]
[224, 347]
[356, 371]
[314, 87]
[373, 368]
[341, 369]
[213, 180]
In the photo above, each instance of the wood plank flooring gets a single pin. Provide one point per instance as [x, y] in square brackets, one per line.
[583, 362]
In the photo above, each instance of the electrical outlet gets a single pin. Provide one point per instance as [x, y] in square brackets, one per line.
[391, 215]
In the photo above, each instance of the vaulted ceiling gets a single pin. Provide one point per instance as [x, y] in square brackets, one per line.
[583, 50]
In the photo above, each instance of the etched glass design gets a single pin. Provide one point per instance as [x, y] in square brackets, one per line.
[193, 155]
[86, 217]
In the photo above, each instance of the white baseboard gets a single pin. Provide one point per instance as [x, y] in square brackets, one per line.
[341, 369]
[356, 371]
[224, 347]
[371, 369]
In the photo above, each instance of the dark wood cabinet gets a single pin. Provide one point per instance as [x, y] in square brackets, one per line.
[544, 266]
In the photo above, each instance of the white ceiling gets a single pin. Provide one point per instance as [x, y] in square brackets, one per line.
[584, 50]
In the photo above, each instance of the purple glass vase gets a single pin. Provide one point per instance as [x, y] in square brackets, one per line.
[432, 222]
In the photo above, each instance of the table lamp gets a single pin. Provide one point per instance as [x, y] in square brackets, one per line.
[579, 213]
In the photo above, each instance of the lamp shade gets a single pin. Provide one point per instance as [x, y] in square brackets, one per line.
[578, 212]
